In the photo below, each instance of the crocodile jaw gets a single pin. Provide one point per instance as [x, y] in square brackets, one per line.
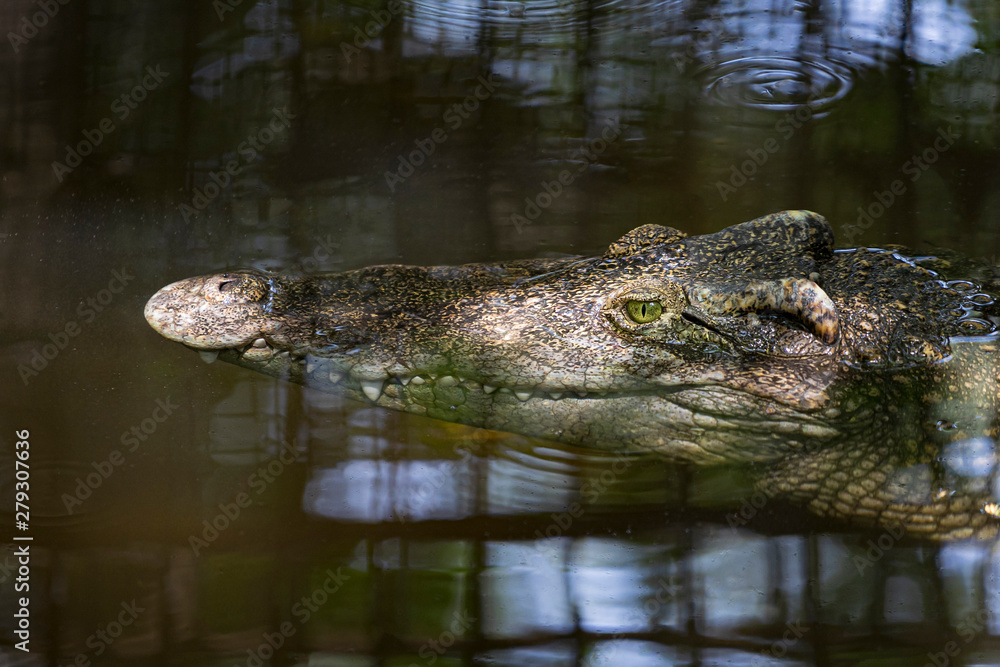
[702, 425]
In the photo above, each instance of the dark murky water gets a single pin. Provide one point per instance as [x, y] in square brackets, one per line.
[195, 515]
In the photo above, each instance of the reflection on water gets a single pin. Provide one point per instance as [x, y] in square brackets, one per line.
[403, 538]
[260, 523]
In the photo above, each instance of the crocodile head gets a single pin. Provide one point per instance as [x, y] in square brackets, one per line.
[725, 347]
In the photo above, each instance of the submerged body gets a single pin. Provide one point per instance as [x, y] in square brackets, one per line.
[854, 375]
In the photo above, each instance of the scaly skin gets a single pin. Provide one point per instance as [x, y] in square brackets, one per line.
[758, 343]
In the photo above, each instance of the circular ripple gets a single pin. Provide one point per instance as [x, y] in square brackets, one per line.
[962, 285]
[778, 84]
[978, 300]
[976, 327]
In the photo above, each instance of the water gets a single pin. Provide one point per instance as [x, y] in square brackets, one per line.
[197, 515]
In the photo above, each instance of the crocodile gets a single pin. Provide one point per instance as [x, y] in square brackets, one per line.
[860, 383]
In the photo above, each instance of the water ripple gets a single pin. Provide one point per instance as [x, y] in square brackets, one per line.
[778, 83]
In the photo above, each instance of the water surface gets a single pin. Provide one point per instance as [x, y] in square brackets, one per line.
[197, 515]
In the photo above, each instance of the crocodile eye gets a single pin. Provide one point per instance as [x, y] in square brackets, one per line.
[643, 312]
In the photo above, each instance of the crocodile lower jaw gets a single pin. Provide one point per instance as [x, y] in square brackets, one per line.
[329, 375]
[374, 388]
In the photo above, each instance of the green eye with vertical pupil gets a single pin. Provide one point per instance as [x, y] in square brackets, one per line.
[644, 312]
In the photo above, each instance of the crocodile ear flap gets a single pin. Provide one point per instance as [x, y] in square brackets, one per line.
[643, 238]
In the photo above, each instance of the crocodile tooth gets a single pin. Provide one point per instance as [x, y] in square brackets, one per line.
[311, 366]
[505, 390]
[582, 393]
[522, 394]
[418, 380]
[489, 389]
[404, 380]
[208, 356]
[447, 381]
[556, 395]
[260, 342]
[336, 376]
[372, 388]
